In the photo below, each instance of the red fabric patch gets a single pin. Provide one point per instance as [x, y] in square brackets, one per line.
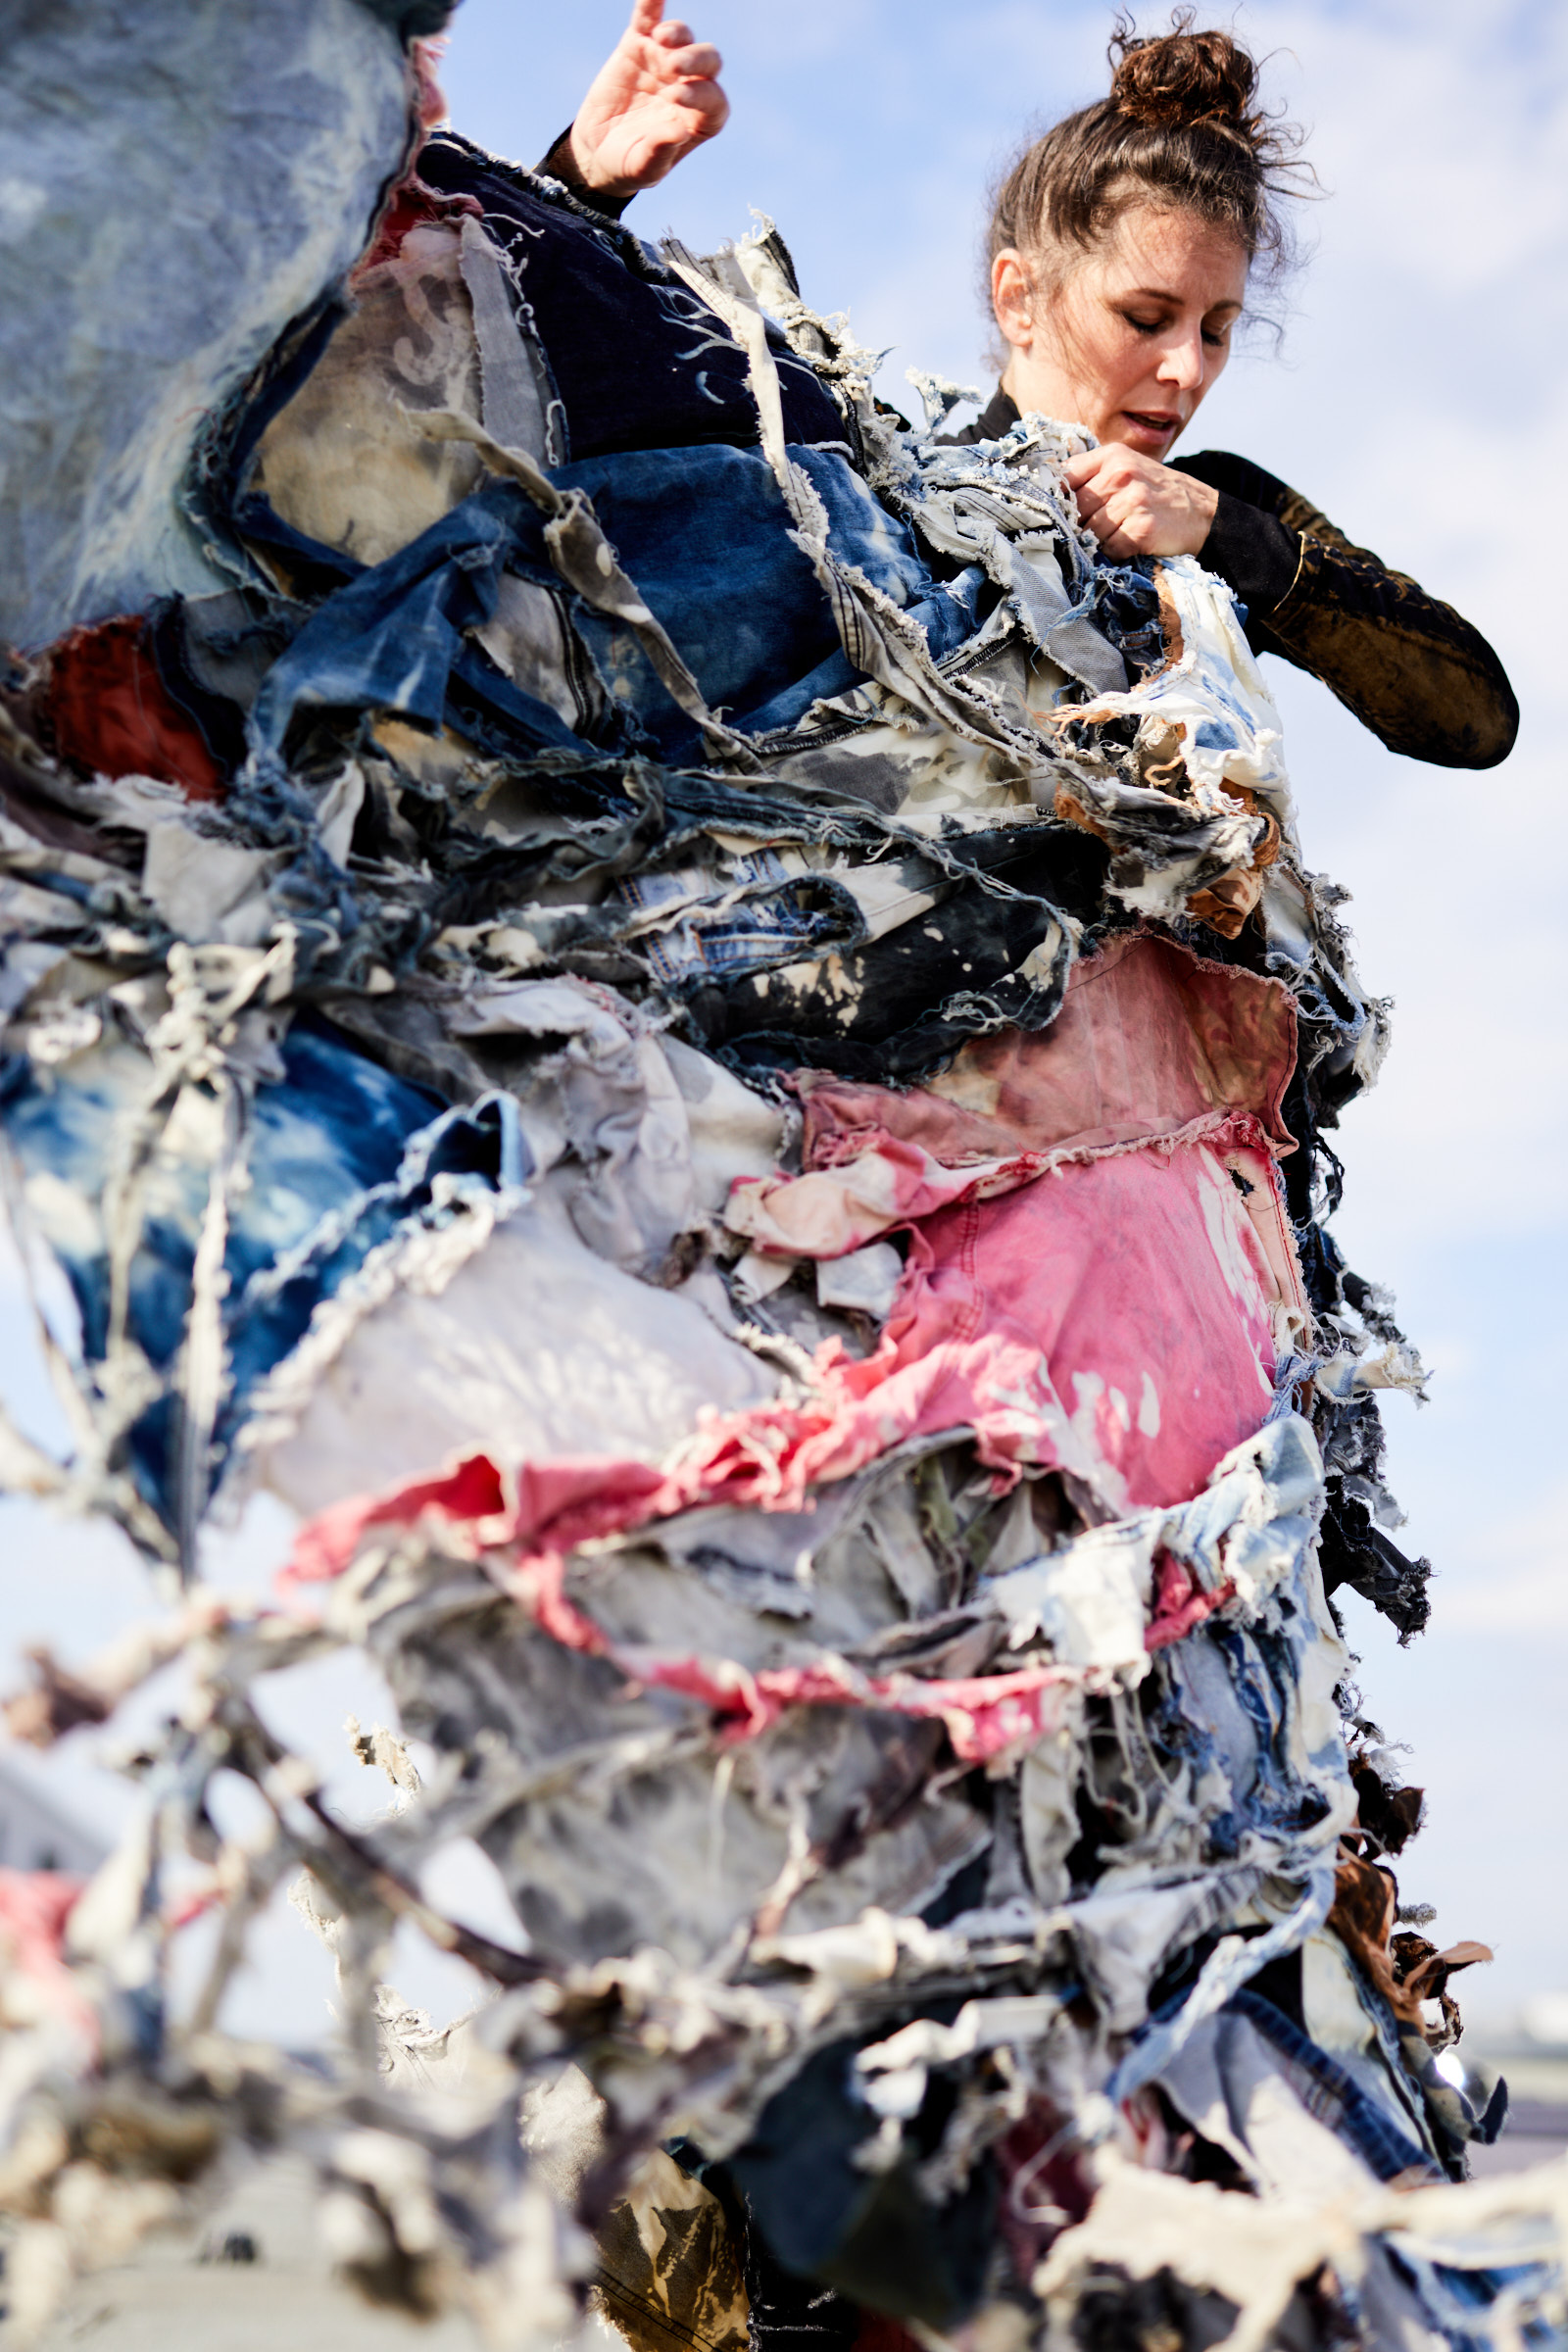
[475, 1505]
[109, 712]
[1044, 2187]
[1180, 1603]
[1029, 1321]
[412, 205]
[878, 2333]
[34, 1907]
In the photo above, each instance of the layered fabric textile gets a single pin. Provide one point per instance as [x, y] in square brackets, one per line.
[681, 1019]
[118, 336]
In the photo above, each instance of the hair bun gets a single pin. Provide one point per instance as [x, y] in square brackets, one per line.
[1182, 78]
[1180, 127]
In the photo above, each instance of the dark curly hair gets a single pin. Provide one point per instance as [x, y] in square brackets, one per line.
[1182, 127]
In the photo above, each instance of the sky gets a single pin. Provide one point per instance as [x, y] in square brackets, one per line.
[1418, 394]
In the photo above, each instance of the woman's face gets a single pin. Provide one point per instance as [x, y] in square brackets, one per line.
[1130, 337]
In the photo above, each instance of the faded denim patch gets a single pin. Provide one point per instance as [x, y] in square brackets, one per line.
[339, 1157]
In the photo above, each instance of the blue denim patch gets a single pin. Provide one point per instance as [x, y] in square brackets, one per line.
[740, 601]
[340, 1155]
[1330, 2094]
[753, 914]
[391, 638]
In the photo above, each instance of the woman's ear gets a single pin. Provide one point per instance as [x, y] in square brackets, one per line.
[1012, 297]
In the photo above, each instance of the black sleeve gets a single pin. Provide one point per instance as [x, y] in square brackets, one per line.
[999, 416]
[555, 167]
[1410, 668]
[1252, 552]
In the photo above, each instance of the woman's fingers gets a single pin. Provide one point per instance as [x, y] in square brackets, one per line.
[698, 61]
[1090, 500]
[1121, 517]
[654, 100]
[708, 102]
[682, 54]
[1135, 507]
[1095, 479]
[1120, 522]
[1082, 468]
[677, 101]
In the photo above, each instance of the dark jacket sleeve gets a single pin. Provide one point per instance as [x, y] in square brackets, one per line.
[557, 164]
[1412, 669]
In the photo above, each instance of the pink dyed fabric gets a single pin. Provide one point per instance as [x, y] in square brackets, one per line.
[1114, 1319]
[35, 1907]
[1150, 1042]
[1152, 1045]
[1141, 1292]
[1114, 1314]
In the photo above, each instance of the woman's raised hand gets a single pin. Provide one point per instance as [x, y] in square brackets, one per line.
[654, 100]
[1136, 507]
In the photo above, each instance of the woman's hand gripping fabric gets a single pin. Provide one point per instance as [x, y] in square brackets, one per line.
[1136, 507]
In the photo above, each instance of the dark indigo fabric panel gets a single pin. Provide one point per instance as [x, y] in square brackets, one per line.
[639, 361]
[744, 606]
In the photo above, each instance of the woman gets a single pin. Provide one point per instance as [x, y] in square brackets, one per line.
[1120, 249]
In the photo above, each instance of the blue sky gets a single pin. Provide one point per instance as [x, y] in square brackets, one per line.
[1421, 399]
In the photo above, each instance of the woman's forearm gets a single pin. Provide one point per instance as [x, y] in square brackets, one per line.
[1411, 668]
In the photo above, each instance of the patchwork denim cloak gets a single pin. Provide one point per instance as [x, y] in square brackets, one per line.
[674, 1013]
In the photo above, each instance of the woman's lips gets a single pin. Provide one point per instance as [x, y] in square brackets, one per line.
[1152, 429]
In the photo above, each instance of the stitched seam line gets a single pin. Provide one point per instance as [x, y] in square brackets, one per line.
[1273, 619]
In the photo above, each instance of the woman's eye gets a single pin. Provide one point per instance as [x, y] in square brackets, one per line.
[1144, 326]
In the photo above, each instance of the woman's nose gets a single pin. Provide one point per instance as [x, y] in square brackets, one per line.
[1183, 363]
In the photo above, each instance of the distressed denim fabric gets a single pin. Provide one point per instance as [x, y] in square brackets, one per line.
[724, 1095]
[990, 954]
[393, 638]
[1245, 1542]
[340, 1156]
[1329, 2094]
[739, 599]
[754, 913]
[116, 344]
